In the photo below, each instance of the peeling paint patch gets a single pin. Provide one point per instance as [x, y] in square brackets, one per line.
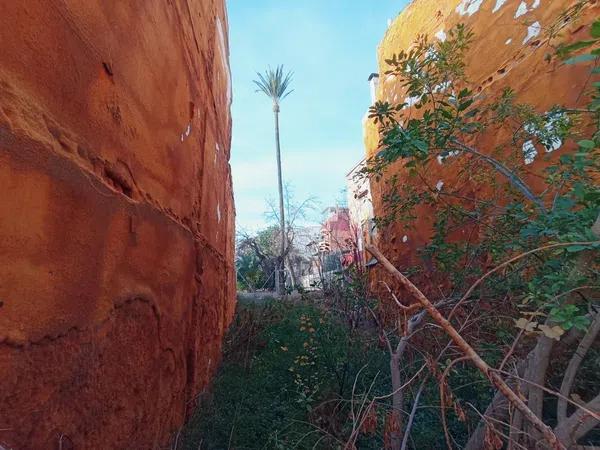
[499, 4]
[218, 213]
[441, 159]
[508, 41]
[439, 185]
[536, 4]
[469, 7]
[521, 10]
[442, 86]
[411, 101]
[405, 239]
[441, 35]
[529, 152]
[187, 132]
[224, 58]
[533, 30]
[548, 137]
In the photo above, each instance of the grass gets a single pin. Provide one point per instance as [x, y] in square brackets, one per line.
[287, 366]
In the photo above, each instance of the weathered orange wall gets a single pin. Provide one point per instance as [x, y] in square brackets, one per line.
[498, 58]
[117, 216]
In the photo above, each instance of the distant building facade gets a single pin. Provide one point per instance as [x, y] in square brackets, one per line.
[360, 209]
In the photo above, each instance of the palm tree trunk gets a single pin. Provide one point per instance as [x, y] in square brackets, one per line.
[279, 281]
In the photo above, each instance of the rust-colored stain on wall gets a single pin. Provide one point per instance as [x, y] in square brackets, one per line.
[511, 48]
[117, 216]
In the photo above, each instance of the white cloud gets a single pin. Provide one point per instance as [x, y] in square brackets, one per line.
[319, 172]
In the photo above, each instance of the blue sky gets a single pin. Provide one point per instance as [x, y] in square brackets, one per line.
[330, 45]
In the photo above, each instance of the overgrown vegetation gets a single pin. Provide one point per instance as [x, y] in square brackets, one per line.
[547, 231]
[287, 370]
[492, 343]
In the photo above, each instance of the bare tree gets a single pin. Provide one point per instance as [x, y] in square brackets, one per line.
[296, 213]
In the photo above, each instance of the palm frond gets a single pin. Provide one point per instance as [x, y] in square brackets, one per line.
[274, 83]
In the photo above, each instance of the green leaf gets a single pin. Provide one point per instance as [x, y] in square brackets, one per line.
[596, 29]
[464, 105]
[587, 143]
[580, 59]
[576, 46]
[576, 248]
[463, 93]
[422, 146]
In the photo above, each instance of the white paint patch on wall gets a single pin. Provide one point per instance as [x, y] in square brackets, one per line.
[533, 30]
[441, 35]
[218, 213]
[224, 57]
[411, 101]
[549, 137]
[217, 150]
[439, 185]
[442, 86]
[499, 4]
[441, 159]
[521, 10]
[508, 41]
[469, 7]
[187, 132]
[529, 152]
[536, 4]
[405, 239]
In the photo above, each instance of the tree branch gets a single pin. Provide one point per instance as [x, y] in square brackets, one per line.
[579, 423]
[512, 177]
[466, 348]
[413, 412]
[497, 410]
[569, 378]
[510, 261]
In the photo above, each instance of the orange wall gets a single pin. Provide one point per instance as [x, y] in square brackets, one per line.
[116, 238]
[501, 56]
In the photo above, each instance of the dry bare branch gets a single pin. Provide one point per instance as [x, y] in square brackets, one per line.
[466, 348]
[569, 378]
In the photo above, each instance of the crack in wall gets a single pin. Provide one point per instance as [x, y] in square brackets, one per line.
[116, 177]
[49, 339]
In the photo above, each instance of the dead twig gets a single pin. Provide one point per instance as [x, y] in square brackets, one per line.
[510, 261]
[468, 351]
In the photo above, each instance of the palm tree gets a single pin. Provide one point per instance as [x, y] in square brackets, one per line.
[274, 84]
